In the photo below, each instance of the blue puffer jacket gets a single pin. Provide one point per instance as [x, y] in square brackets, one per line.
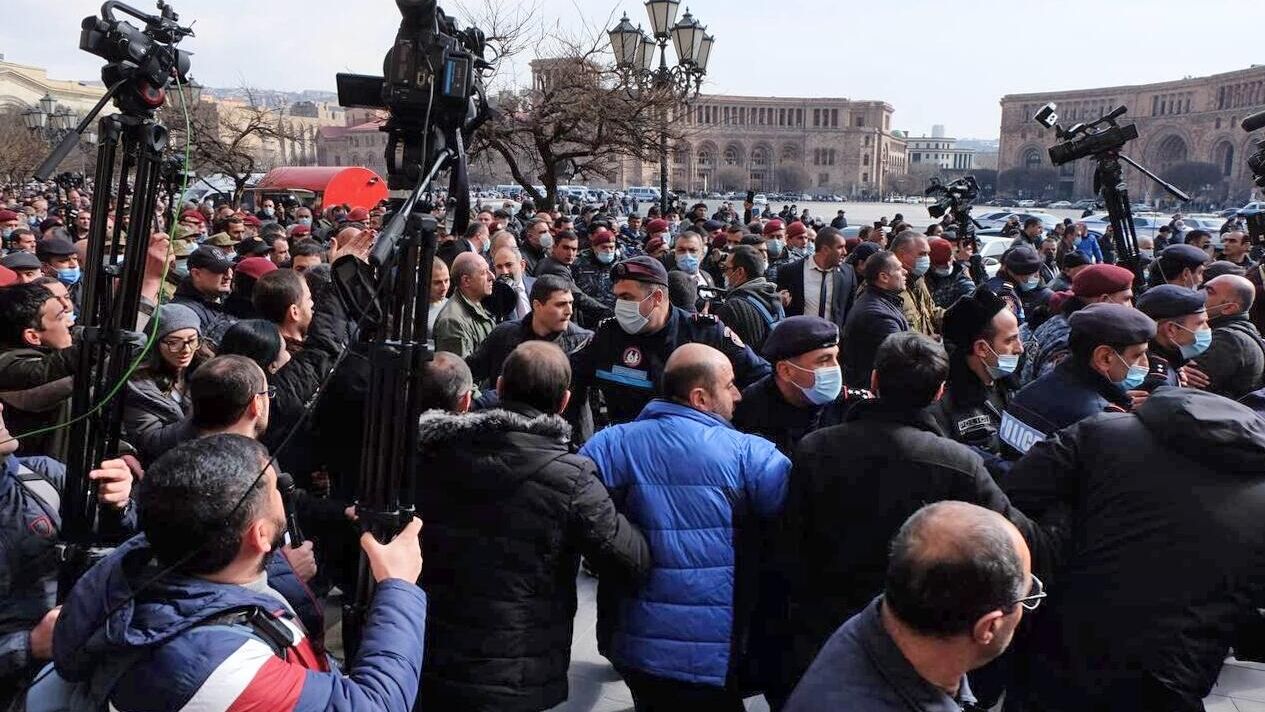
[696, 488]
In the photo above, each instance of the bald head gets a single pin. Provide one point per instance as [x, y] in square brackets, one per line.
[1228, 295]
[701, 377]
[471, 275]
[953, 563]
[447, 383]
[348, 234]
[537, 374]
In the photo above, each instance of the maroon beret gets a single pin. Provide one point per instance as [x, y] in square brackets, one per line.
[657, 225]
[795, 229]
[7, 215]
[601, 236]
[1097, 280]
[773, 226]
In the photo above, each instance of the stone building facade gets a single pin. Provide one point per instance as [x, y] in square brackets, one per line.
[829, 145]
[1194, 119]
[22, 86]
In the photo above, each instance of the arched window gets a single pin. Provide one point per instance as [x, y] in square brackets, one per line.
[731, 156]
[1224, 158]
[1032, 159]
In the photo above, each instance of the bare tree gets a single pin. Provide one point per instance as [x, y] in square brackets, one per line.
[229, 139]
[20, 149]
[581, 117]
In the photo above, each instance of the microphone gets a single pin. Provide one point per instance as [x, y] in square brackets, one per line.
[285, 485]
[1254, 122]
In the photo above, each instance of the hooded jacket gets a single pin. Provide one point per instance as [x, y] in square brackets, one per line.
[181, 662]
[509, 509]
[1164, 557]
[752, 323]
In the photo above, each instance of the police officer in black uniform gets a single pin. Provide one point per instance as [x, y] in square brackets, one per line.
[626, 356]
[982, 337]
[805, 392]
[1105, 373]
[1181, 329]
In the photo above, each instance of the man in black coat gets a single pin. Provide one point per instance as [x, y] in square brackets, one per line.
[819, 285]
[509, 510]
[879, 313]
[753, 306]
[853, 485]
[1163, 558]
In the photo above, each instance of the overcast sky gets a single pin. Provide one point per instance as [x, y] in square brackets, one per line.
[935, 65]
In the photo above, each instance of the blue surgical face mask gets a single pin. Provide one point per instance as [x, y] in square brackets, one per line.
[6, 232]
[69, 276]
[1134, 378]
[921, 265]
[942, 271]
[305, 221]
[1030, 283]
[605, 257]
[827, 384]
[775, 248]
[270, 212]
[1006, 365]
[1147, 253]
[687, 263]
[629, 317]
[1203, 339]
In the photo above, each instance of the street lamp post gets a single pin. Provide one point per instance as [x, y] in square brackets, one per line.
[51, 123]
[635, 54]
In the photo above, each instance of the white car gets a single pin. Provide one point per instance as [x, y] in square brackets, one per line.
[1026, 204]
[1060, 205]
[761, 199]
[992, 250]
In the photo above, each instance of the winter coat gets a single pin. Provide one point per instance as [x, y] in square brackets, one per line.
[35, 387]
[876, 315]
[509, 510]
[947, 290]
[1164, 557]
[212, 315]
[750, 322]
[1068, 394]
[462, 326]
[699, 489]
[1235, 361]
[153, 422]
[180, 657]
[852, 487]
[920, 309]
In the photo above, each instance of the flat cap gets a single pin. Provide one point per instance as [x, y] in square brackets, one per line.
[252, 247]
[208, 258]
[1097, 280]
[1021, 260]
[1212, 270]
[20, 261]
[54, 247]
[1185, 255]
[1114, 324]
[1169, 301]
[798, 335]
[773, 226]
[221, 239]
[967, 317]
[641, 269]
[1074, 259]
[656, 225]
[713, 225]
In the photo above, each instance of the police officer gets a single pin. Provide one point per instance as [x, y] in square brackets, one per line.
[592, 269]
[982, 337]
[1181, 329]
[1104, 372]
[805, 392]
[627, 354]
[1182, 265]
[1018, 283]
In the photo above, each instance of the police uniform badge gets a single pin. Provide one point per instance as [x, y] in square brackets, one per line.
[631, 357]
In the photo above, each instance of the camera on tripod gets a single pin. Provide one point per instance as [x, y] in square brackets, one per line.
[432, 70]
[1084, 140]
[147, 57]
[951, 198]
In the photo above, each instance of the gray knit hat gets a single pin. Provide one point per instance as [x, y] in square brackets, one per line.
[174, 317]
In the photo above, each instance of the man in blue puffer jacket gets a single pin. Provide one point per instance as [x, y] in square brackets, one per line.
[699, 490]
[215, 629]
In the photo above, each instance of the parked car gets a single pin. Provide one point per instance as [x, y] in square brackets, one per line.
[1060, 205]
[1026, 204]
[761, 199]
[1087, 204]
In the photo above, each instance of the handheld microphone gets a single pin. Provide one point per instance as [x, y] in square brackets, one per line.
[1254, 122]
[285, 485]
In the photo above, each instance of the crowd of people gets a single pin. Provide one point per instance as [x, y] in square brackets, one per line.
[841, 471]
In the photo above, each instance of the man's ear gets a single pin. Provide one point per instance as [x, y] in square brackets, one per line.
[986, 629]
[465, 401]
[874, 383]
[566, 400]
[32, 337]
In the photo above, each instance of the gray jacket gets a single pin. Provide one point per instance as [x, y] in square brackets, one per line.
[152, 421]
[1235, 362]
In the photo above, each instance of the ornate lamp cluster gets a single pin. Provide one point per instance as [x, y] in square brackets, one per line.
[635, 50]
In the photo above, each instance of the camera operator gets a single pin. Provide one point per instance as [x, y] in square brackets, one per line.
[213, 632]
[30, 498]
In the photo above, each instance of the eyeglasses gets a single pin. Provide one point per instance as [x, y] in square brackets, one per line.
[1033, 599]
[188, 344]
[270, 391]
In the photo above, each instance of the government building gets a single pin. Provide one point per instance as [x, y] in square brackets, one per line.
[1189, 120]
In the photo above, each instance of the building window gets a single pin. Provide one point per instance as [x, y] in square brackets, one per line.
[1032, 159]
[831, 156]
[860, 121]
[869, 140]
[865, 177]
[865, 160]
[823, 178]
[834, 118]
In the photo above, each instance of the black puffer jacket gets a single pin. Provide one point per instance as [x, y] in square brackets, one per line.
[509, 509]
[1164, 558]
[750, 322]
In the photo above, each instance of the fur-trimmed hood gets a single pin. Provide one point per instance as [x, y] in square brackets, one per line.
[490, 449]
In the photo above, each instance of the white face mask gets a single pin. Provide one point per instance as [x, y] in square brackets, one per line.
[629, 316]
